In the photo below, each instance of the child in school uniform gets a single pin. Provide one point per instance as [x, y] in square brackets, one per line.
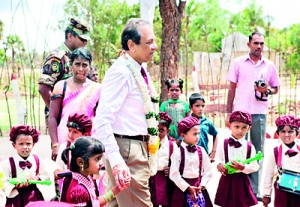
[79, 188]
[23, 165]
[161, 187]
[197, 105]
[285, 156]
[190, 166]
[236, 189]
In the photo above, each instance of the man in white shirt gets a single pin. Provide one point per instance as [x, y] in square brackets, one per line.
[120, 121]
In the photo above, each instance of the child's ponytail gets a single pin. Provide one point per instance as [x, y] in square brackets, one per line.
[64, 155]
[169, 82]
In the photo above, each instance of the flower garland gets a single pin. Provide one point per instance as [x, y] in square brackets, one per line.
[150, 98]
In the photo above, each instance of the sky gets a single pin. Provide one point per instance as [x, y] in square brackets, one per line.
[36, 21]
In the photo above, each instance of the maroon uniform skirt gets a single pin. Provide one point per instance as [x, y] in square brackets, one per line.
[26, 195]
[179, 197]
[161, 189]
[235, 190]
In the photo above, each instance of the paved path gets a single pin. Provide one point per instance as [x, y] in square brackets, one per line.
[42, 148]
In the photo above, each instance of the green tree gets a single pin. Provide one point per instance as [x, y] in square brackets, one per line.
[249, 19]
[107, 19]
[15, 44]
[208, 24]
[172, 15]
[1, 29]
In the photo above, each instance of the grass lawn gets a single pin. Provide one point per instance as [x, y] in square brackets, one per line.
[34, 113]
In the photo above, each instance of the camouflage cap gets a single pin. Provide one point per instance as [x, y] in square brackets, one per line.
[81, 29]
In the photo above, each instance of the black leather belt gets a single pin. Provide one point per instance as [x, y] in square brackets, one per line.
[144, 138]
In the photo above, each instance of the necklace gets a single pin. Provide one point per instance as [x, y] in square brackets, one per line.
[150, 98]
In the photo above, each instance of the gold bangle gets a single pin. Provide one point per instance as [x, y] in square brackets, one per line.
[54, 145]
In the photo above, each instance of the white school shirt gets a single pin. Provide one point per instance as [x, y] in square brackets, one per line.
[164, 153]
[270, 167]
[9, 189]
[191, 167]
[237, 154]
[120, 109]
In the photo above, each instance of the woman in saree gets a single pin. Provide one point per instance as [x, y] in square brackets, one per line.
[75, 94]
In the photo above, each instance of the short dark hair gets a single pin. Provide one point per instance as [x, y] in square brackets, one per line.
[69, 30]
[164, 123]
[292, 127]
[195, 97]
[90, 73]
[81, 52]
[84, 147]
[254, 33]
[173, 81]
[131, 32]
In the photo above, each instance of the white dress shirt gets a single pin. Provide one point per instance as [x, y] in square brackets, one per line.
[164, 153]
[237, 154]
[270, 167]
[121, 108]
[9, 189]
[191, 167]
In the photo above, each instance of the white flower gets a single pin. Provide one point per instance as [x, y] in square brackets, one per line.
[148, 92]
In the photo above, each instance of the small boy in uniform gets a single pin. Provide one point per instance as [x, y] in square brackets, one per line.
[24, 166]
[285, 156]
[190, 166]
[236, 189]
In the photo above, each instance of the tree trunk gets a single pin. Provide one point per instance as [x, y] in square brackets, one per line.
[171, 15]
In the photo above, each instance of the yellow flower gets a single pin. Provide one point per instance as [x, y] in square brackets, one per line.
[153, 147]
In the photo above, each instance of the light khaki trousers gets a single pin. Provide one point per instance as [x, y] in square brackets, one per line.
[135, 155]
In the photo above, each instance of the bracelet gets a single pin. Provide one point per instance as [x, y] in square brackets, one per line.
[106, 198]
[109, 196]
[54, 145]
[267, 196]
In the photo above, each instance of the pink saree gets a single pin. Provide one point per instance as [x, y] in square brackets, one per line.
[81, 101]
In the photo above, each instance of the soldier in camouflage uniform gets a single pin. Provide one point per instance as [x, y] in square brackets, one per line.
[56, 66]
